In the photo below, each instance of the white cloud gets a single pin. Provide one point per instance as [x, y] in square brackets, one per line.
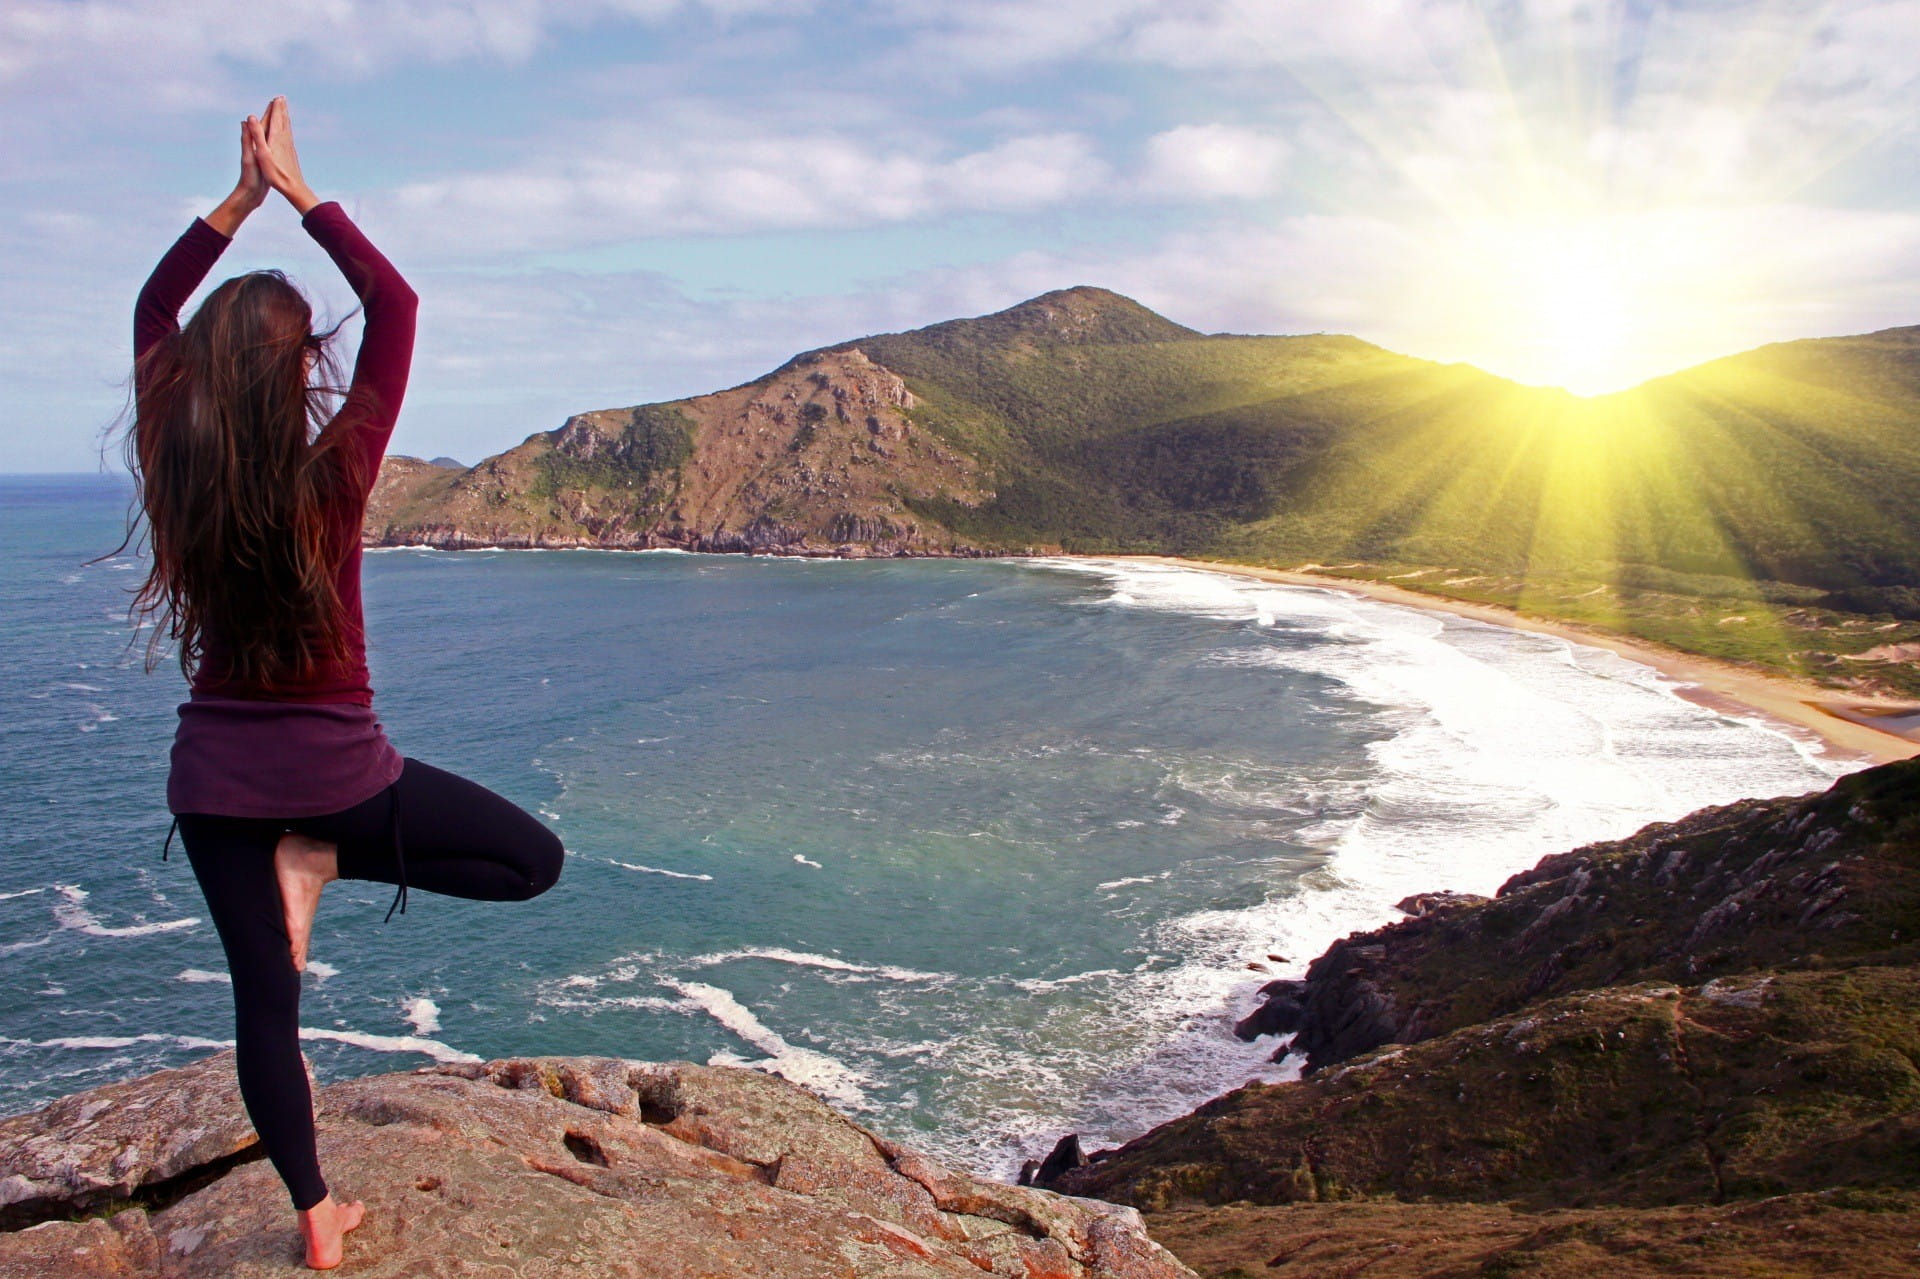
[1212, 161]
[680, 185]
[999, 37]
[186, 37]
[1379, 35]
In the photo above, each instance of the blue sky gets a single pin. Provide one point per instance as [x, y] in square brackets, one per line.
[612, 201]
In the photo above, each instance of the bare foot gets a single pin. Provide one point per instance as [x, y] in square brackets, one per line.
[303, 866]
[323, 1229]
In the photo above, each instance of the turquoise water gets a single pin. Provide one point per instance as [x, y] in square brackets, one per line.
[981, 850]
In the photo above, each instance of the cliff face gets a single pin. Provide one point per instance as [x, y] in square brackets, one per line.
[1721, 1013]
[544, 1166]
[1830, 879]
[818, 457]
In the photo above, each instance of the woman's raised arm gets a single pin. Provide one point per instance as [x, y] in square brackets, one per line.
[156, 314]
[386, 346]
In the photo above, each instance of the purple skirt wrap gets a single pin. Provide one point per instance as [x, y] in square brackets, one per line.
[244, 758]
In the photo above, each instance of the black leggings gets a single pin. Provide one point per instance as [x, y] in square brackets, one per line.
[456, 837]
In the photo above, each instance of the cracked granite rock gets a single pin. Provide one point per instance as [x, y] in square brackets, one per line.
[531, 1167]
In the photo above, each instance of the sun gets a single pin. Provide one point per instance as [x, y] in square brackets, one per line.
[1592, 301]
[1516, 203]
[1559, 299]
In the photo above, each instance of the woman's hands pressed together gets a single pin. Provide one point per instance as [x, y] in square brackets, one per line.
[249, 193]
[274, 153]
[268, 160]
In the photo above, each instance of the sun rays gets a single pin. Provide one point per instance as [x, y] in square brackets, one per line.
[1586, 195]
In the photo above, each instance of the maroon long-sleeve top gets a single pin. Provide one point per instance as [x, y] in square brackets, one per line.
[313, 747]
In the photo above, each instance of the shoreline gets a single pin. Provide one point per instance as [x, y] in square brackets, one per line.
[1843, 726]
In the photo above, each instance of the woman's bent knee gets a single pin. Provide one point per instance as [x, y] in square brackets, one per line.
[544, 870]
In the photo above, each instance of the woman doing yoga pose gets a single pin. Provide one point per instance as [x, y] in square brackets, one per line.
[281, 777]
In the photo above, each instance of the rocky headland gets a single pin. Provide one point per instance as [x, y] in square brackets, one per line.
[819, 457]
[1693, 1051]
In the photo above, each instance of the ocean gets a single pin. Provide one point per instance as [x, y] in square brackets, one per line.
[984, 851]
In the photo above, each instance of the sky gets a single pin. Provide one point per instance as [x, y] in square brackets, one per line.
[611, 202]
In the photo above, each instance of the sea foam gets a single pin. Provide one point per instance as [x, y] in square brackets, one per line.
[835, 1079]
[1496, 747]
[72, 914]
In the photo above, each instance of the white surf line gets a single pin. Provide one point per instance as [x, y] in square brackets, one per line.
[119, 1041]
[357, 1038]
[390, 1043]
[804, 1066]
[647, 1003]
[1038, 985]
[655, 870]
[423, 1013]
[805, 959]
[1467, 718]
[72, 914]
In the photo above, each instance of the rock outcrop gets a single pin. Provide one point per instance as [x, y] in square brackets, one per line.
[820, 457]
[540, 1166]
[1638, 1095]
[155, 1136]
[1830, 879]
[1716, 1018]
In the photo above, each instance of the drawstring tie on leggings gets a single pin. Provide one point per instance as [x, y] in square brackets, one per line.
[169, 844]
[399, 858]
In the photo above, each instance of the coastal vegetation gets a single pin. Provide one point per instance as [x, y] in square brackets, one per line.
[1757, 509]
[655, 441]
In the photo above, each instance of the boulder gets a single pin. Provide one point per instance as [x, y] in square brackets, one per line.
[105, 1144]
[551, 1166]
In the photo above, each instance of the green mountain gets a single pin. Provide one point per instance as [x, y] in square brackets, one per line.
[1761, 507]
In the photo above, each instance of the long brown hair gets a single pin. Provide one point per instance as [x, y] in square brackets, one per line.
[232, 468]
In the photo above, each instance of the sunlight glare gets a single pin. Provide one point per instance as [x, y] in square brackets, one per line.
[1593, 303]
[1569, 306]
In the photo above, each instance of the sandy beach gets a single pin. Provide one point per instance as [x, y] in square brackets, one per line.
[1847, 727]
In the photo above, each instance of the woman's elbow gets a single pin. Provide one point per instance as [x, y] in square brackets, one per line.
[400, 298]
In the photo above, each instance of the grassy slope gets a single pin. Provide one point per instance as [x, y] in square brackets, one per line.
[1763, 508]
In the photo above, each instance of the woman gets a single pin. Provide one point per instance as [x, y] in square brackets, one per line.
[282, 779]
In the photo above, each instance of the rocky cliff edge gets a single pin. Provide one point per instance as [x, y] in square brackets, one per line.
[1693, 1051]
[530, 1166]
